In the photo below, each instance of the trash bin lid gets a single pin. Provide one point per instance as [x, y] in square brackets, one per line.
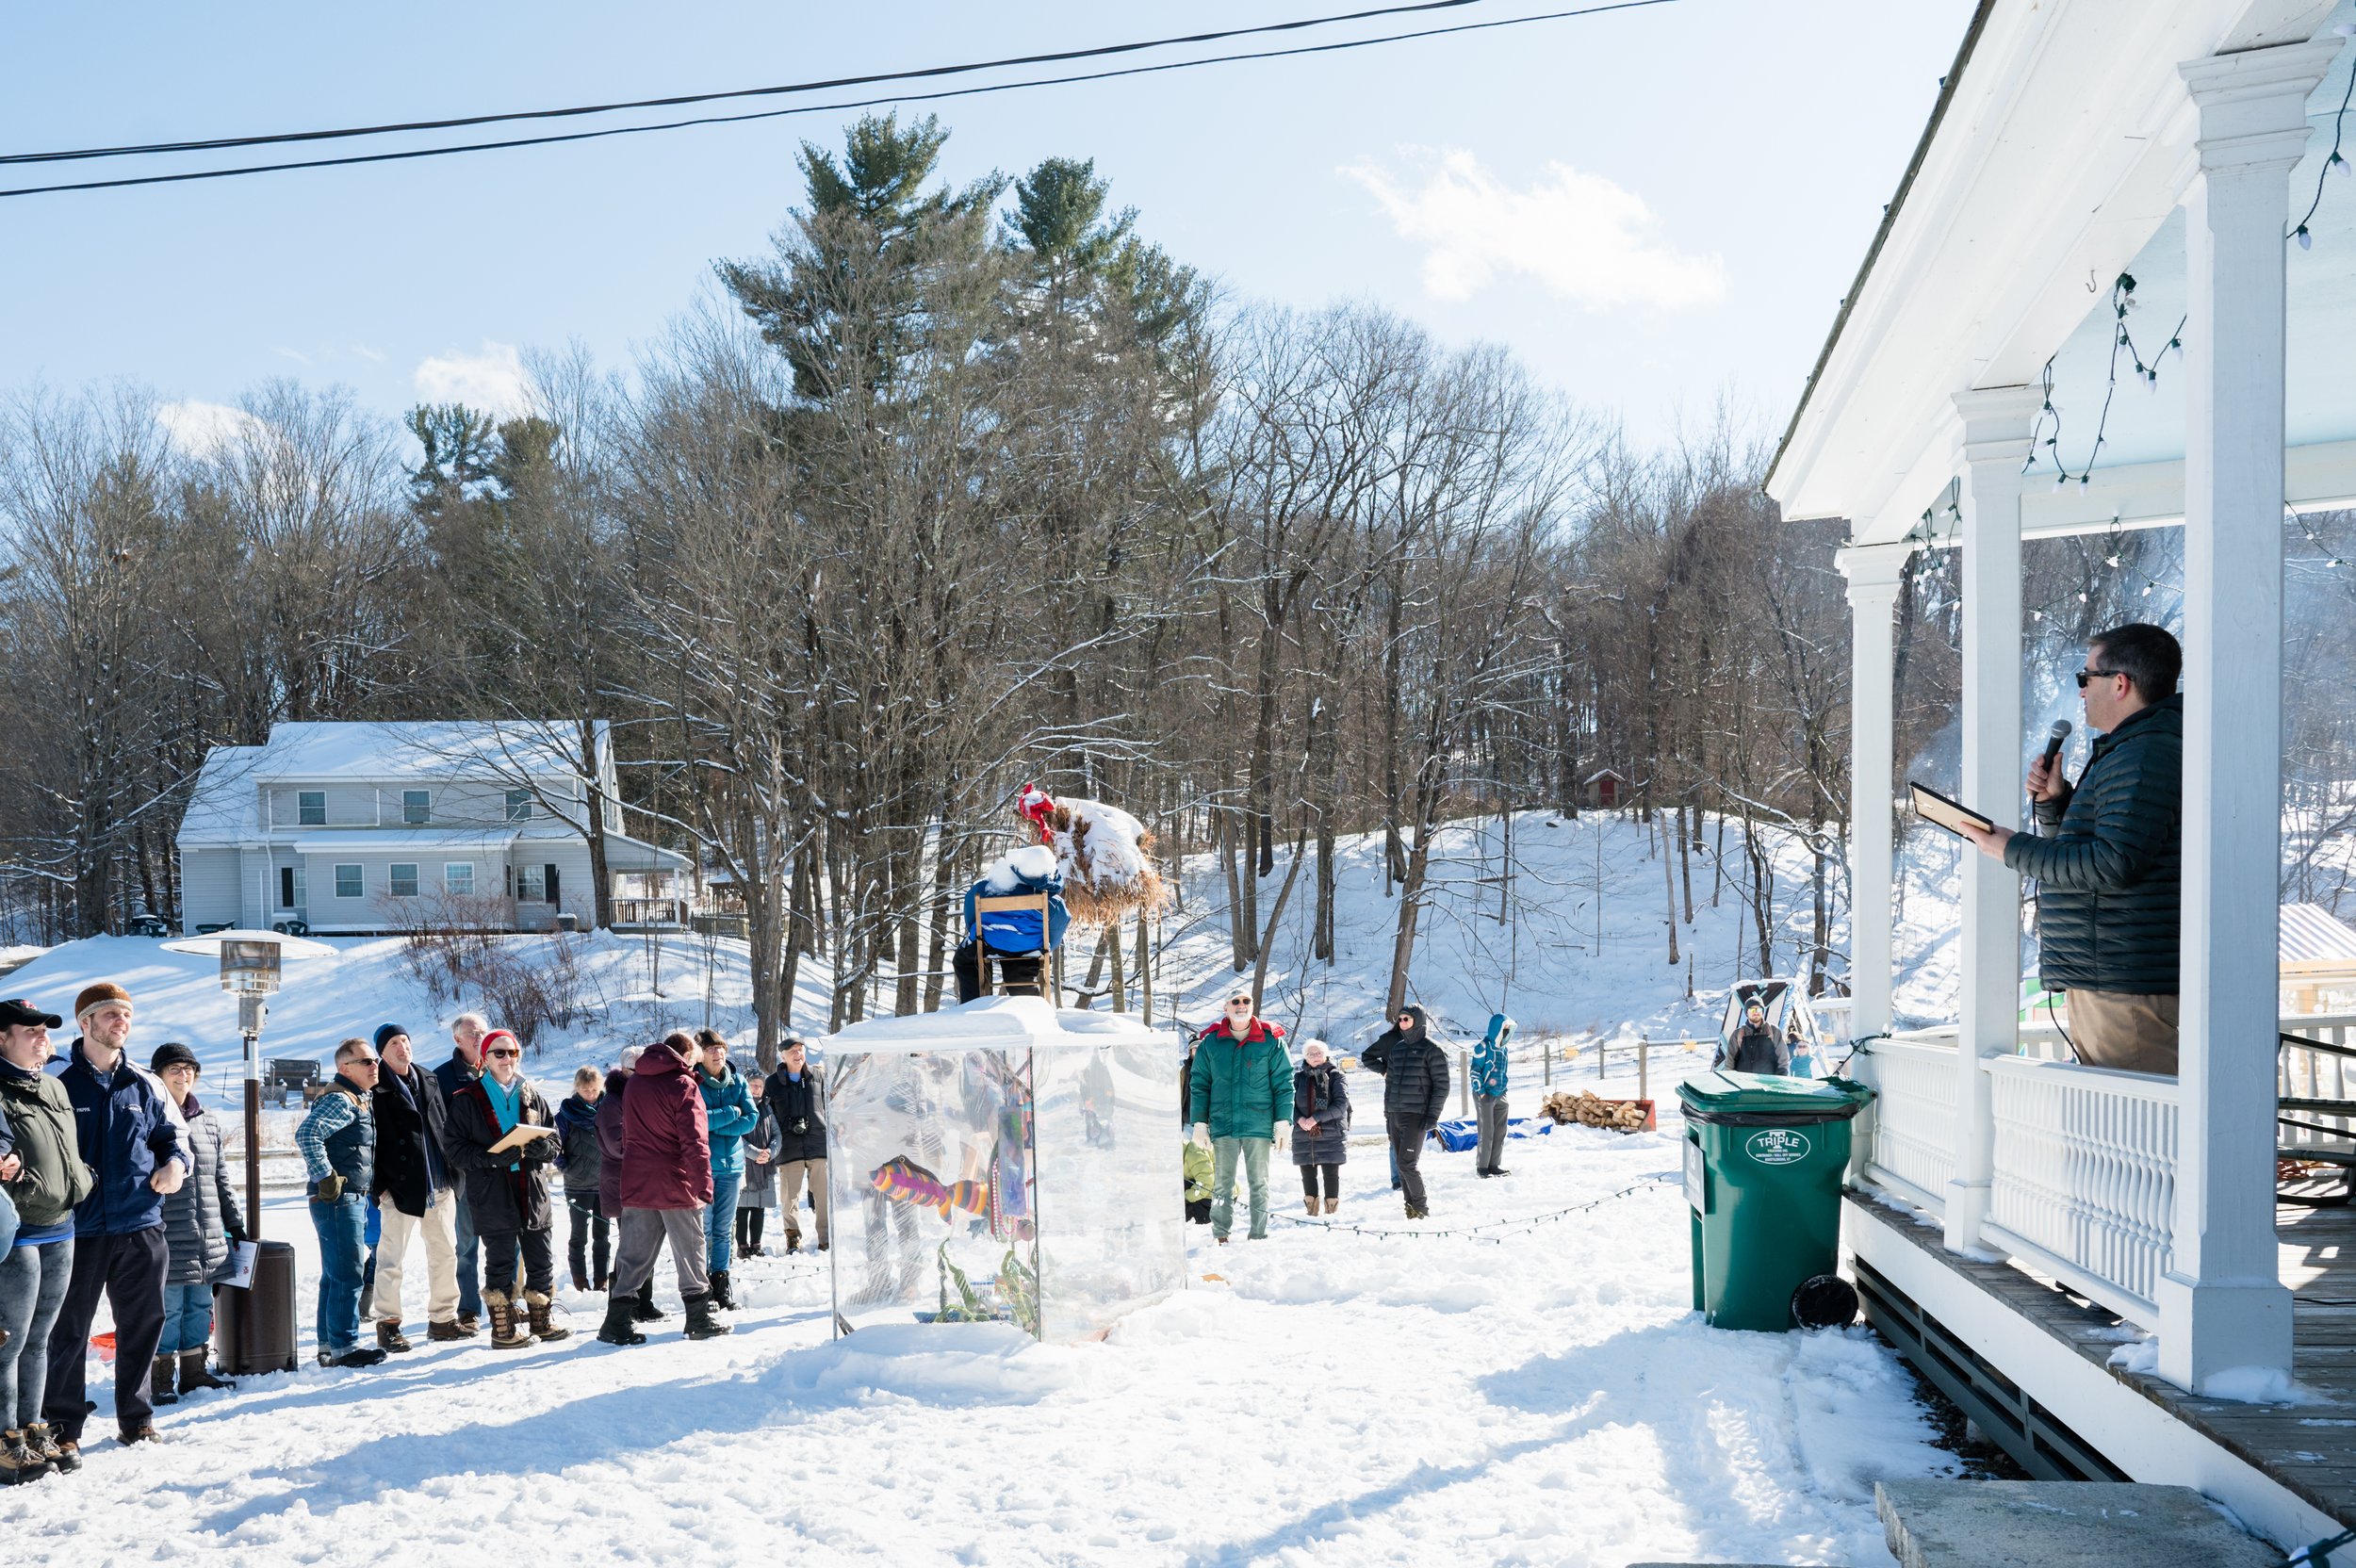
[1759, 1100]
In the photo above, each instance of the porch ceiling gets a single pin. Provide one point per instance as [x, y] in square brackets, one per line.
[2060, 154]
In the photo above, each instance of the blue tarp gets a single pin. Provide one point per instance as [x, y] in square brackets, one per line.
[1456, 1136]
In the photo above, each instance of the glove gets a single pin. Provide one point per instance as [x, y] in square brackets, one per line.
[1202, 1135]
[328, 1188]
[1281, 1137]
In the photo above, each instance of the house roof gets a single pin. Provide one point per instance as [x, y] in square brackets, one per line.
[224, 808]
[2311, 934]
[1607, 773]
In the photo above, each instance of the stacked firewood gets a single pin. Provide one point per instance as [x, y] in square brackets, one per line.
[1588, 1109]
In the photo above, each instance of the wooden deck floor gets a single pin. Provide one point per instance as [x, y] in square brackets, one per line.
[2309, 1447]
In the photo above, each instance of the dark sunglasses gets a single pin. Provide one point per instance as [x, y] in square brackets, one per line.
[503, 1053]
[2085, 676]
[362, 1061]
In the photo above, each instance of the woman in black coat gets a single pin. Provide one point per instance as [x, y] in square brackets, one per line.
[1320, 1125]
[508, 1191]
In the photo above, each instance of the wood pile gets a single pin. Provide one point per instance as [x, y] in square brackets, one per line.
[1588, 1109]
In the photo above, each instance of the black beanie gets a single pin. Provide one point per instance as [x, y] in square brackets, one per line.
[385, 1031]
[173, 1054]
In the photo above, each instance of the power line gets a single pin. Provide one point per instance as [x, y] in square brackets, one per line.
[814, 108]
[681, 100]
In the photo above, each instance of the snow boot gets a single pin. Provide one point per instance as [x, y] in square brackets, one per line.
[538, 1308]
[18, 1462]
[618, 1326]
[1312, 1204]
[469, 1324]
[69, 1455]
[580, 1278]
[42, 1445]
[1499, 1171]
[389, 1338]
[506, 1333]
[159, 1389]
[135, 1431]
[194, 1374]
[642, 1307]
[722, 1296]
[700, 1323]
[603, 1280]
[444, 1331]
[792, 1242]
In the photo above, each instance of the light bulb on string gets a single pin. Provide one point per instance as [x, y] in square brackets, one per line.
[2306, 240]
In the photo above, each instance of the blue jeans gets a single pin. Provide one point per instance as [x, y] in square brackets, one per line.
[33, 1282]
[720, 1219]
[342, 1227]
[7, 1222]
[470, 1256]
[188, 1319]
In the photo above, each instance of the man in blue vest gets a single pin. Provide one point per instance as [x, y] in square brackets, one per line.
[130, 1136]
[337, 1138]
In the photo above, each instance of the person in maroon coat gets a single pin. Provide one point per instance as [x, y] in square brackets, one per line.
[664, 1183]
[611, 1151]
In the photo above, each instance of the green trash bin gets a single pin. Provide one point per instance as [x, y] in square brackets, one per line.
[1763, 1163]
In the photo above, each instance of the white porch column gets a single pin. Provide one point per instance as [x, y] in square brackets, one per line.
[1991, 447]
[2222, 1304]
[1874, 572]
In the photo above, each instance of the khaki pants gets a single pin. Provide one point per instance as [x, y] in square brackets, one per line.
[438, 1225]
[790, 1176]
[2118, 1029]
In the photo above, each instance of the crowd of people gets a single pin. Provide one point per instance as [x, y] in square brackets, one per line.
[113, 1184]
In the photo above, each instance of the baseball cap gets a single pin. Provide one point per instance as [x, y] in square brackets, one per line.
[20, 1013]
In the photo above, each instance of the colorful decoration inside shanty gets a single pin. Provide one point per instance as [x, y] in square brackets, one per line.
[1002, 1162]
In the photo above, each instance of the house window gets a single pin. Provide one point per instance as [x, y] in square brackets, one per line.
[310, 807]
[417, 806]
[290, 889]
[458, 878]
[404, 881]
[531, 884]
[519, 806]
[349, 882]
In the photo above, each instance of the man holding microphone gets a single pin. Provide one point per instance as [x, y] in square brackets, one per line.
[2110, 867]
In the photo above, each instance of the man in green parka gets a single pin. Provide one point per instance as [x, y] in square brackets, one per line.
[1240, 1101]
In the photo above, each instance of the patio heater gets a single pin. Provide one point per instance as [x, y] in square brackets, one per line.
[255, 1327]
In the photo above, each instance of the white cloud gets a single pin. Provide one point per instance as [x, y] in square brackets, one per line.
[492, 381]
[1582, 236]
[199, 429]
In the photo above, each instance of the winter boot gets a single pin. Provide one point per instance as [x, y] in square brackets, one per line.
[194, 1374]
[69, 1455]
[389, 1338]
[793, 1241]
[469, 1324]
[538, 1308]
[700, 1323]
[642, 1307]
[722, 1296]
[618, 1329]
[506, 1333]
[135, 1431]
[18, 1462]
[1312, 1203]
[159, 1389]
[445, 1332]
[580, 1278]
[42, 1445]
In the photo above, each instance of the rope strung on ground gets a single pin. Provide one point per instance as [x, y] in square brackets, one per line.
[1478, 1233]
[2319, 1555]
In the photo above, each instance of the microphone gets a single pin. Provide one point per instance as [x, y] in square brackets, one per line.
[2053, 739]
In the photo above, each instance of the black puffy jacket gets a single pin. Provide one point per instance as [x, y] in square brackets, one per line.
[509, 1191]
[2110, 877]
[200, 1218]
[1414, 1070]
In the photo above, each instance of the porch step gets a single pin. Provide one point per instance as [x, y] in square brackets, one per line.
[2060, 1524]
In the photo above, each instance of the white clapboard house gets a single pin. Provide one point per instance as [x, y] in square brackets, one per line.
[361, 827]
[2094, 1263]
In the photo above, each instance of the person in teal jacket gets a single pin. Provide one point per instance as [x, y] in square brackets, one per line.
[1488, 1087]
[1240, 1100]
[729, 1110]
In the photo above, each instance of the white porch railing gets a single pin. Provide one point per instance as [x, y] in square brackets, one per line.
[2083, 1183]
[1913, 1150]
[2084, 1177]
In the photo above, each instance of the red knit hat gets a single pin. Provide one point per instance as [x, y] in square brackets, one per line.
[507, 1035]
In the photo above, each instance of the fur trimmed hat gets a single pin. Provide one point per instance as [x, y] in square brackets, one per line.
[98, 996]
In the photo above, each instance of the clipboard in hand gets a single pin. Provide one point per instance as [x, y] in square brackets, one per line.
[1953, 815]
[523, 1135]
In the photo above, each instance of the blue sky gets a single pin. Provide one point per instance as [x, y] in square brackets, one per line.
[1653, 208]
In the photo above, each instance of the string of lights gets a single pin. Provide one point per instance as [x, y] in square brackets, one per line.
[2045, 436]
[1483, 1232]
[2335, 164]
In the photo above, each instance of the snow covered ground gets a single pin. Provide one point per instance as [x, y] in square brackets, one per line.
[1331, 1397]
